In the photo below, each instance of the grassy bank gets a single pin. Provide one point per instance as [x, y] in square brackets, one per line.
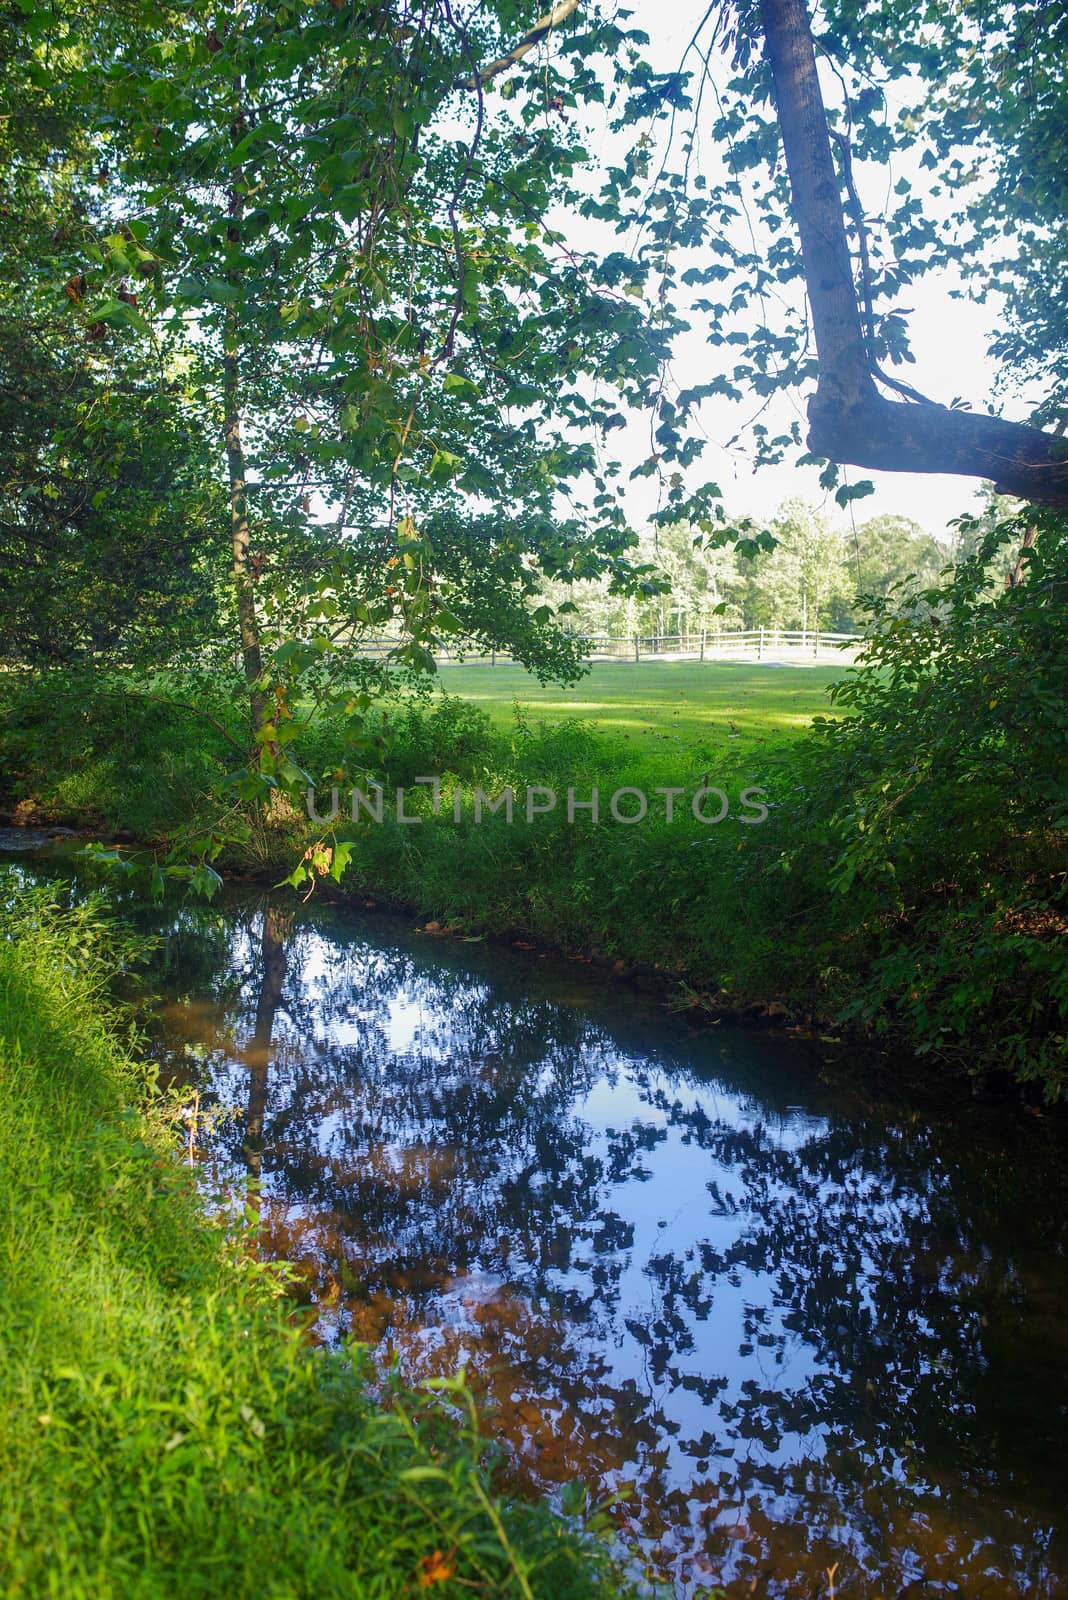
[165, 1431]
[111, 751]
[678, 892]
[906, 882]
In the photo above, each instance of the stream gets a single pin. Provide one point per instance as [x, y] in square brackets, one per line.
[804, 1322]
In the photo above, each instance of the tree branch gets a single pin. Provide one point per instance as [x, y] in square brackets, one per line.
[552, 19]
[849, 420]
[856, 211]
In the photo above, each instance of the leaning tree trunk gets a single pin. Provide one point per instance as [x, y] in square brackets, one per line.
[849, 419]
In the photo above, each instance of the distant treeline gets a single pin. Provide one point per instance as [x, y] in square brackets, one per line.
[814, 576]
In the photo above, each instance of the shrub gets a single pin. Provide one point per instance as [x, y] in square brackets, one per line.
[108, 750]
[936, 809]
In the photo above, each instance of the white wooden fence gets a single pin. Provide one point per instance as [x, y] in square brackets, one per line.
[787, 645]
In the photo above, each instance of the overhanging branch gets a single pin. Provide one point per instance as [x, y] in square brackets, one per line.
[552, 19]
[894, 436]
[849, 420]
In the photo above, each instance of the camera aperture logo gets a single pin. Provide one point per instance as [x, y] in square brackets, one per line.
[708, 804]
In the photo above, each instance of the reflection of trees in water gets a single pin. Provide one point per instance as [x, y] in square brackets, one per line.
[868, 1242]
[836, 1362]
[276, 925]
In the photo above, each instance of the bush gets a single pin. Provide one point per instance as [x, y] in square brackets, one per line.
[107, 750]
[936, 809]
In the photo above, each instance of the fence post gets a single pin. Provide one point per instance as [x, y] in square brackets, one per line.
[637, 648]
[702, 644]
[816, 643]
[760, 646]
[493, 658]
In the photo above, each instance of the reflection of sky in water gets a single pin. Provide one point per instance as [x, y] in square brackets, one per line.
[682, 1200]
[801, 1325]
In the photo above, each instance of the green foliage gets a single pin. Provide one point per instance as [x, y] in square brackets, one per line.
[166, 1428]
[110, 525]
[940, 803]
[948, 132]
[800, 571]
[451, 735]
[107, 515]
[993, 120]
[796, 578]
[343, 262]
[888, 552]
[91, 749]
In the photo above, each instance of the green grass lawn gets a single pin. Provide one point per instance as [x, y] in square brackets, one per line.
[737, 703]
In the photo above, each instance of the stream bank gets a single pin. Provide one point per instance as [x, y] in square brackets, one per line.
[804, 1322]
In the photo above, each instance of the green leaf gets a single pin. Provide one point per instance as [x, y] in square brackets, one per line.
[456, 383]
[854, 491]
[342, 856]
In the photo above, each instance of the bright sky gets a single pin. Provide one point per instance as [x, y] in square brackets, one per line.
[949, 339]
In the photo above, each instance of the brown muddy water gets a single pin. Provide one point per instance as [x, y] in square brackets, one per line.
[805, 1324]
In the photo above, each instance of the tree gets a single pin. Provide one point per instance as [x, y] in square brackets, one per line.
[798, 572]
[850, 419]
[792, 574]
[106, 507]
[108, 517]
[936, 88]
[994, 120]
[973, 94]
[394, 353]
[890, 550]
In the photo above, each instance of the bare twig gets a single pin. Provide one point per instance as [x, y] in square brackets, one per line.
[856, 212]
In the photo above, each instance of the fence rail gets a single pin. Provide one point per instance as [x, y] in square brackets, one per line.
[744, 644]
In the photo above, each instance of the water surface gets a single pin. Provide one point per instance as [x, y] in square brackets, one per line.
[807, 1323]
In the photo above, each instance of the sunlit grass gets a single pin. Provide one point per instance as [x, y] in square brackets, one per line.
[715, 702]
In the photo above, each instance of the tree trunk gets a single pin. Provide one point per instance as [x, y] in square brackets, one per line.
[241, 566]
[258, 1054]
[1019, 572]
[849, 419]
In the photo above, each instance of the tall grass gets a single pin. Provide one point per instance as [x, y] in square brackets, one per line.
[701, 897]
[165, 1429]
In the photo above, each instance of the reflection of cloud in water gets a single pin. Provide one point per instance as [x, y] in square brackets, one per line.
[803, 1326]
